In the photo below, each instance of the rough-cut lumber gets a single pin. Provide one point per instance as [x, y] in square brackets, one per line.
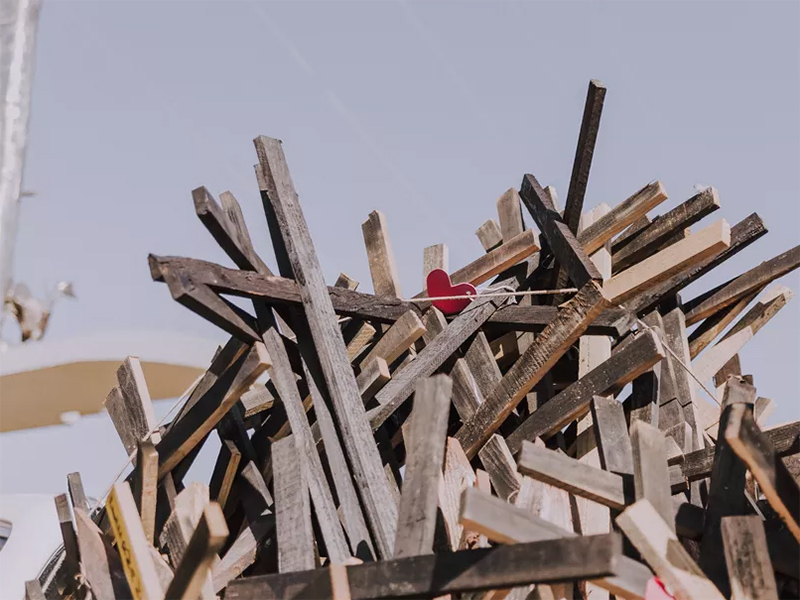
[416, 522]
[242, 552]
[509, 212]
[292, 509]
[436, 575]
[225, 470]
[132, 544]
[68, 537]
[710, 328]
[501, 467]
[145, 485]
[651, 474]
[76, 493]
[184, 435]
[434, 257]
[33, 590]
[382, 267]
[755, 450]
[555, 468]
[458, 476]
[611, 431]
[489, 235]
[508, 524]
[207, 539]
[659, 546]
[345, 281]
[663, 227]
[612, 375]
[396, 339]
[596, 235]
[726, 494]
[532, 365]
[674, 259]
[747, 557]
[348, 407]
[100, 565]
[568, 251]
[744, 233]
[708, 304]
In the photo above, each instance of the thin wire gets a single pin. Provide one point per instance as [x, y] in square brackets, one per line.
[170, 412]
[493, 295]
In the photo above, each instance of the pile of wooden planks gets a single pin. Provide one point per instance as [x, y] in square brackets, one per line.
[373, 447]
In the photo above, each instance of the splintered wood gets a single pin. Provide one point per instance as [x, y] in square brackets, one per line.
[373, 447]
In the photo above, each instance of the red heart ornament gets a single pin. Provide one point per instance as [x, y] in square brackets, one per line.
[438, 284]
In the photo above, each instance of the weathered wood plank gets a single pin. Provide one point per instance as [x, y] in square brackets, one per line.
[651, 473]
[596, 235]
[145, 486]
[208, 538]
[292, 509]
[755, 450]
[33, 590]
[726, 492]
[396, 339]
[611, 431]
[71, 555]
[660, 547]
[706, 305]
[382, 267]
[498, 461]
[568, 251]
[489, 235]
[416, 522]
[747, 557]
[539, 358]
[744, 233]
[434, 257]
[509, 212]
[132, 543]
[679, 257]
[710, 328]
[76, 493]
[225, 471]
[663, 227]
[612, 375]
[283, 207]
[505, 523]
[458, 476]
[345, 281]
[429, 576]
[100, 565]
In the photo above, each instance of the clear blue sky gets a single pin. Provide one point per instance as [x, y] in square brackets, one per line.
[426, 111]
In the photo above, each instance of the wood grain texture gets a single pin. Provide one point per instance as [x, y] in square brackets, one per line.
[146, 486]
[744, 233]
[458, 476]
[292, 509]
[396, 339]
[505, 523]
[225, 470]
[710, 328]
[537, 360]
[621, 216]
[489, 235]
[382, 267]
[434, 257]
[660, 547]
[425, 447]
[651, 474]
[612, 375]
[663, 227]
[509, 214]
[747, 557]
[707, 304]
[76, 492]
[679, 257]
[567, 250]
[436, 575]
[499, 463]
[611, 431]
[71, 554]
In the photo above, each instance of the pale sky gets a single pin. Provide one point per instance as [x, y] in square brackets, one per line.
[427, 111]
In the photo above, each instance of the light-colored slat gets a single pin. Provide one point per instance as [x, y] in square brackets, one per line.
[382, 267]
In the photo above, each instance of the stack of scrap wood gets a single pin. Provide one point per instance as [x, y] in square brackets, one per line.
[395, 451]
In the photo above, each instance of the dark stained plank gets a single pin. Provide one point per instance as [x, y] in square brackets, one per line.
[651, 474]
[282, 291]
[754, 449]
[535, 362]
[568, 251]
[785, 439]
[505, 523]
[225, 470]
[744, 233]
[283, 209]
[651, 238]
[726, 492]
[430, 576]
[623, 215]
[708, 304]
[292, 509]
[612, 375]
[611, 432]
[416, 520]
[242, 552]
[192, 429]
[747, 557]
[208, 538]
[643, 403]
